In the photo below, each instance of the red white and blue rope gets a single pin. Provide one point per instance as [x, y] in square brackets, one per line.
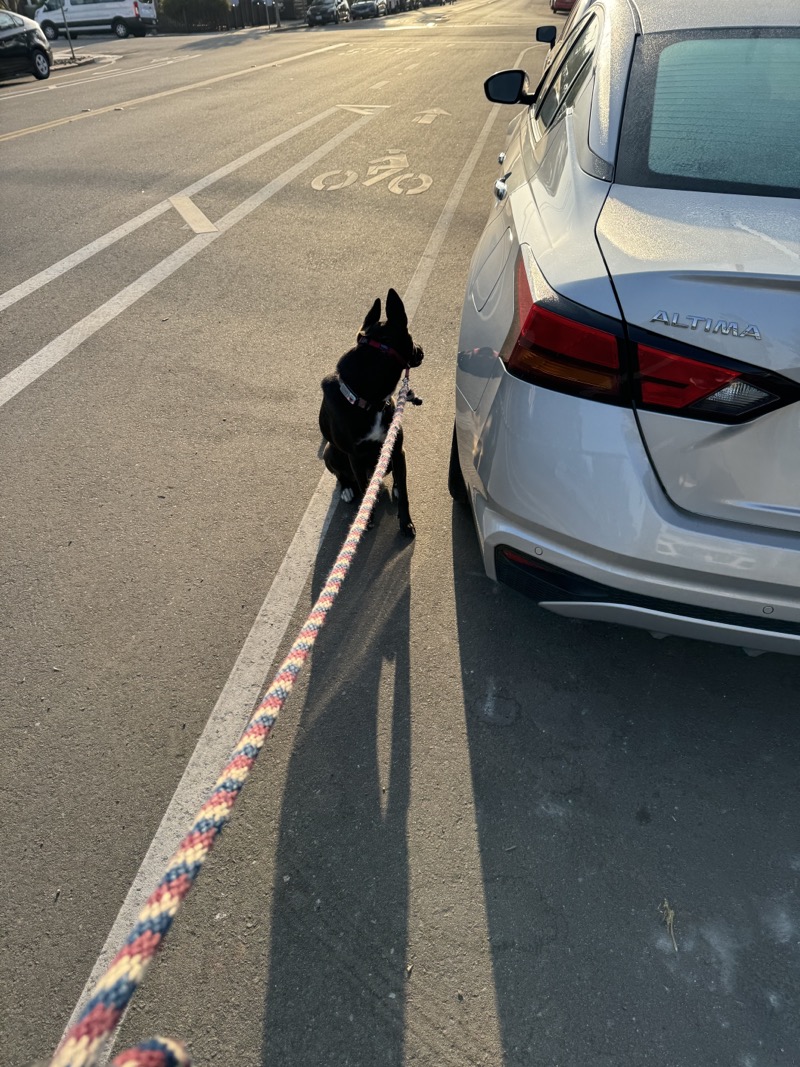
[100, 1017]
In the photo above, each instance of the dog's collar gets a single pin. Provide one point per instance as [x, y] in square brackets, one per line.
[364, 340]
[356, 401]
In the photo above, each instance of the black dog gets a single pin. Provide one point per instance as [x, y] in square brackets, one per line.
[357, 405]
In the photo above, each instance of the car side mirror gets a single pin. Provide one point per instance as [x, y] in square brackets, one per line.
[508, 87]
[546, 35]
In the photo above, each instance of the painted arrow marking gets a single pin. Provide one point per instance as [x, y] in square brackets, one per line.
[425, 118]
[363, 109]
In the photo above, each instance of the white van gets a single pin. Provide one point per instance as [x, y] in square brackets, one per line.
[122, 17]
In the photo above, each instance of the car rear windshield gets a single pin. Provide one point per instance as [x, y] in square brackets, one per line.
[714, 110]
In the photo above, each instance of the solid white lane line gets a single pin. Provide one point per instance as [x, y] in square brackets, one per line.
[255, 663]
[226, 722]
[422, 274]
[47, 357]
[160, 96]
[11, 296]
[191, 214]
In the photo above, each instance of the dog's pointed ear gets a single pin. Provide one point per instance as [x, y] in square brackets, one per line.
[395, 310]
[373, 316]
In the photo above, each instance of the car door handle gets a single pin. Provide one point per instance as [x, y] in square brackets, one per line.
[500, 187]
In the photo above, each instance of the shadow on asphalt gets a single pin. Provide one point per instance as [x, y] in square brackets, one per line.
[611, 772]
[341, 822]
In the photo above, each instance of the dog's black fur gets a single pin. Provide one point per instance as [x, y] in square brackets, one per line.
[354, 432]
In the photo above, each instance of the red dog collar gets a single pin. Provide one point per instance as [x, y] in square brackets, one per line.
[364, 340]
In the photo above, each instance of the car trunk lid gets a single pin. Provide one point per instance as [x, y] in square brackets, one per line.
[720, 273]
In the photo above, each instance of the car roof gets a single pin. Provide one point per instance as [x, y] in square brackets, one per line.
[658, 15]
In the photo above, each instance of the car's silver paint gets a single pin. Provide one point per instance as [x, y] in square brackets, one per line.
[614, 55]
[571, 481]
[657, 16]
[723, 257]
[727, 259]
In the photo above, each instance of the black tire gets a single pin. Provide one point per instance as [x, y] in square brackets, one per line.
[41, 65]
[455, 479]
[120, 30]
[50, 31]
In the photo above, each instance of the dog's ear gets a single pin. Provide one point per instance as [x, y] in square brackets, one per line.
[395, 310]
[373, 316]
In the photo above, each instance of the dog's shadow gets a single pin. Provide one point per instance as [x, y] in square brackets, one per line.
[337, 967]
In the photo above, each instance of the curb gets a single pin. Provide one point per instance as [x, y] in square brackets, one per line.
[78, 61]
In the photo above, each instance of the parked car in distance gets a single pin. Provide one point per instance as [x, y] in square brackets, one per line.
[367, 9]
[627, 394]
[23, 47]
[324, 11]
[120, 17]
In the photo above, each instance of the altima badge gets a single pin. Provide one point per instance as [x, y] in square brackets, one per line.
[721, 326]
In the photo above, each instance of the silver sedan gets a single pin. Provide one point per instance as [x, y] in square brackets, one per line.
[628, 384]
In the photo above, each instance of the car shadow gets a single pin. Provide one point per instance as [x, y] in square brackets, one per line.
[335, 989]
[628, 791]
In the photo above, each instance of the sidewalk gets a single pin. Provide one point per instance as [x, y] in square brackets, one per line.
[63, 58]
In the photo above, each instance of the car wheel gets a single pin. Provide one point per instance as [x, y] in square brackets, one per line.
[41, 65]
[49, 30]
[455, 478]
[120, 29]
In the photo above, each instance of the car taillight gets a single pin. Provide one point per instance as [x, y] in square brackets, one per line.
[676, 383]
[571, 349]
[135, 9]
[561, 352]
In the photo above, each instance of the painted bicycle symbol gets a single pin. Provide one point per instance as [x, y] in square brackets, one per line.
[392, 169]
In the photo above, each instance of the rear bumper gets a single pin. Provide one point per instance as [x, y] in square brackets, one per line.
[567, 483]
[574, 597]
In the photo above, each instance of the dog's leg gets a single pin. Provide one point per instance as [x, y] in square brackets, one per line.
[400, 488]
[363, 466]
[339, 464]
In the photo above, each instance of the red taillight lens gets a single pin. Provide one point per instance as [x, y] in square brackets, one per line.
[587, 354]
[135, 9]
[667, 380]
[559, 352]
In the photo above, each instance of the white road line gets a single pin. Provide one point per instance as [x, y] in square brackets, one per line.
[11, 296]
[161, 95]
[47, 357]
[253, 665]
[226, 722]
[191, 213]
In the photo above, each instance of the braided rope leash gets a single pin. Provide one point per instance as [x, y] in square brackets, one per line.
[85, 1039]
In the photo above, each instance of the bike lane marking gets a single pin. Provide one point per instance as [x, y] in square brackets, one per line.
[46, 358]
[18, 292]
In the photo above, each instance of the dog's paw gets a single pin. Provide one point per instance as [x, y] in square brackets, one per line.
[347, 495]
[408, 529]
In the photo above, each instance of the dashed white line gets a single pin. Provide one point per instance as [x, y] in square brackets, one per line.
[192, 215]
[11, 296]
[46, 358]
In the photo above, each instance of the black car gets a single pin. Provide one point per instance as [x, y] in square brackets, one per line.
[23, 47]
[323, 11]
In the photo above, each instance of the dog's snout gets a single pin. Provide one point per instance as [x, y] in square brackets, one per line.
[417, 356]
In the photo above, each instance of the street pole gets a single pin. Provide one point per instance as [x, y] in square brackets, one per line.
[66, 27]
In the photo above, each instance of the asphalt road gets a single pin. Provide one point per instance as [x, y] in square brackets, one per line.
[455, 848]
